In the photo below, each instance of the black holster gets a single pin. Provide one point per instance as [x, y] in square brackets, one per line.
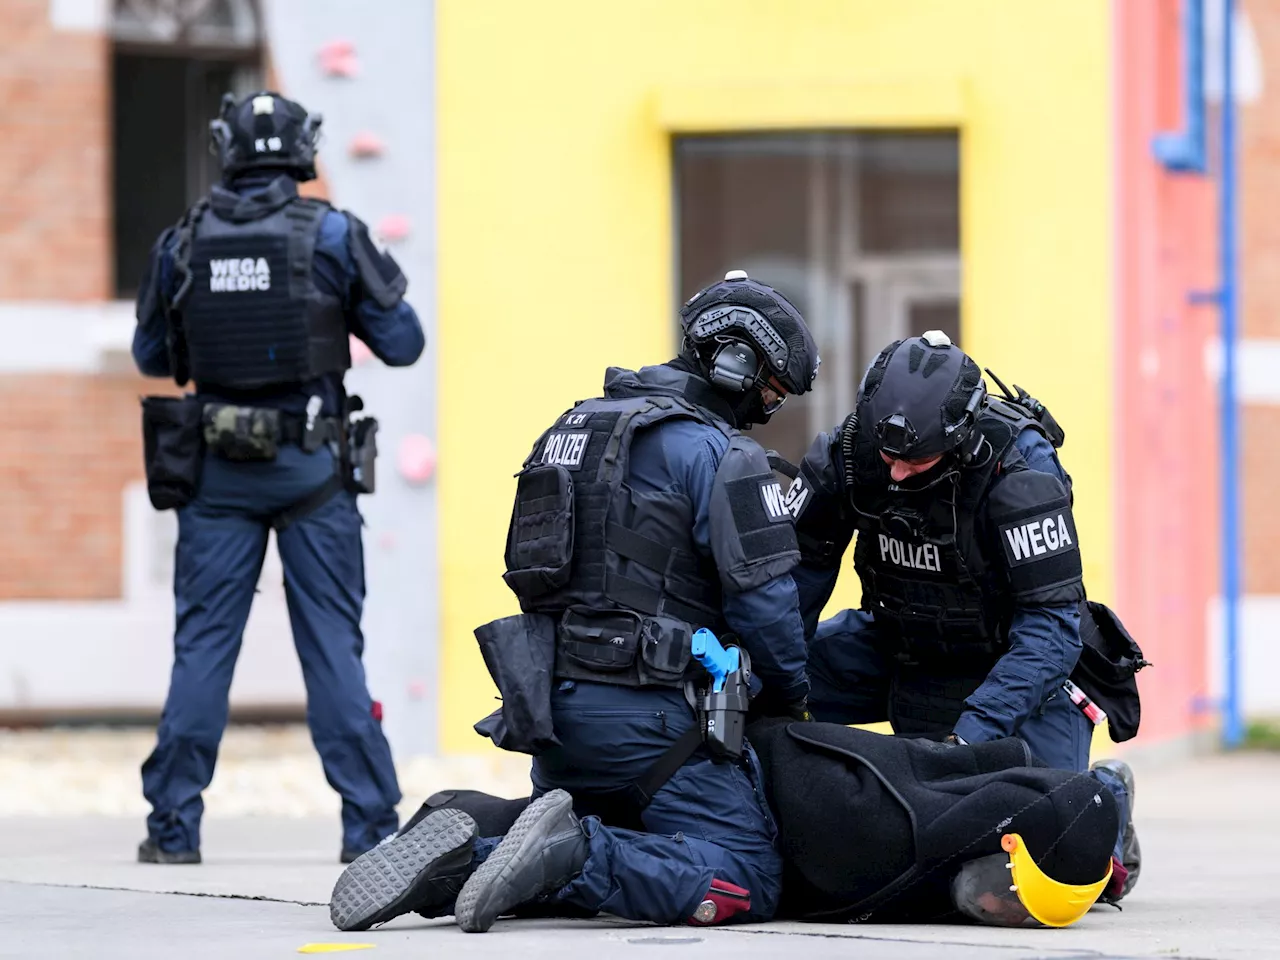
[173, 449]
[520, 653]
[362, 452]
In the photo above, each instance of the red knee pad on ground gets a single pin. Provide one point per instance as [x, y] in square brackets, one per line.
[1119, 875]
[721, 902]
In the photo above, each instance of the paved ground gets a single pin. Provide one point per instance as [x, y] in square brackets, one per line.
[69, 889]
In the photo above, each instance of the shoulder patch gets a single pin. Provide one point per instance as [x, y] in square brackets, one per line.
[566, 448]
[774, 501]
[1038, 538]
[797, 497]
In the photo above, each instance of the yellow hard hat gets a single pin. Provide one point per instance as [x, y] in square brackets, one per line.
[1052, 903]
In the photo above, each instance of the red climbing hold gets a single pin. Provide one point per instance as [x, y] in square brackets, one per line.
[338, 59]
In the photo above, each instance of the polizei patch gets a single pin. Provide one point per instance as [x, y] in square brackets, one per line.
[913, 556]
[1038, 538]
[566, 449]
[775, 502]
[239, 274]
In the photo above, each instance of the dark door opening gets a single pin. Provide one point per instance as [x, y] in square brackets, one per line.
[161, 112]
[861, 230]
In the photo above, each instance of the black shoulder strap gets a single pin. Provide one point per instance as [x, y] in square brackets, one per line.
[305, 216]
[782, 464]
[175, 338]
[654, 409]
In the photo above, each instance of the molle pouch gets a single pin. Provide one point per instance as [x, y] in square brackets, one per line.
[665, 650]
[605, 642]
[364, 451]
[520, 653]
[540, 538]
[1107, 670]
[172, 449]
[241, 433]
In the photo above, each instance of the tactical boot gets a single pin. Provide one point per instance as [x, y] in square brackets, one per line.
[544, 850]
[1130, 850]
[150, 852]
[420, 869]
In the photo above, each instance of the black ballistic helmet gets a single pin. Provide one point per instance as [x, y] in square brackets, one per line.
[266, 131]
[741, 333]
[921, 398]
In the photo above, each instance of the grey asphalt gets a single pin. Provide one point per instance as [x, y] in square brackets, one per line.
[1210, 888]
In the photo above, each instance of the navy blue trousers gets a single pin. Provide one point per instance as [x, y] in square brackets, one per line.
[850, 678]
[709, 821]
[222, 540]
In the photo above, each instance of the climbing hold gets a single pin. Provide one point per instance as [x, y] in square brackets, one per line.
[392, 228]
[338, 59]
[366, 144]
[417, 458]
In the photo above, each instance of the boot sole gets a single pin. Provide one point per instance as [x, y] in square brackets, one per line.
[477, 912]
[1130, 849]
[391, 879]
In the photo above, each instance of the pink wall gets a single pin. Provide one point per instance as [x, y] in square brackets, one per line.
[1166, 422]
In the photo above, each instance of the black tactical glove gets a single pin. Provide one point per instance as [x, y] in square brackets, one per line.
[767, 705]
[800, 711]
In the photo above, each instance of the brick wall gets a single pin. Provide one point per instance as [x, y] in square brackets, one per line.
[55, 189]
[1260, 307]
[72, 443]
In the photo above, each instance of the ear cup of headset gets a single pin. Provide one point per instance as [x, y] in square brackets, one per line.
[734, 366]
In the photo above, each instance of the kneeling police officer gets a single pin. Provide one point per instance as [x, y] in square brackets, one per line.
[640, 517]
[972, 586]
[253, 296]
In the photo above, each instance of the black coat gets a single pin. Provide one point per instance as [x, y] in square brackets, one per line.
[875, 827]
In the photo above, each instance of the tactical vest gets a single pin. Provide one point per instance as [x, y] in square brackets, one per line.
[254, 317]
[925, 577]
[618, 569]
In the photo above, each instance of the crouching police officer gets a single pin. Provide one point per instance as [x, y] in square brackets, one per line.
[640, 517]
[970, 567]
[252, 296]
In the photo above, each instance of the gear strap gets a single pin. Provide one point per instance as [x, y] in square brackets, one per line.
[643, 790]
[308, 504]
[175, 336]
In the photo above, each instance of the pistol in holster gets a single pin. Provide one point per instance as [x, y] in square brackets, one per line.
[722, 704]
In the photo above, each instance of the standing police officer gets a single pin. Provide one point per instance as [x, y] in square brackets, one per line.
[970, 568]
[253, 296]
[640, 517]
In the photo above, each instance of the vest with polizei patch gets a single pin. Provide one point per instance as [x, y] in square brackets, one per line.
[632, 553]
[254, 317]
[933, 590]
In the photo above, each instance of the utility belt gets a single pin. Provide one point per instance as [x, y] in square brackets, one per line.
[524, 653]
[624, 648]
[178, 431]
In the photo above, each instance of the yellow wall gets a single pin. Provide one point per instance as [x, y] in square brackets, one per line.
[555, 227]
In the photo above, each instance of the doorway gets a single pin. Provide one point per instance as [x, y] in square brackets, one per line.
[860, 230]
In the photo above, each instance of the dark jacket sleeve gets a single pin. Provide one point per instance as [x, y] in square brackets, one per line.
[760, 602]
[372, 289]
[150, 347]
[1044, 643]
[824, 527]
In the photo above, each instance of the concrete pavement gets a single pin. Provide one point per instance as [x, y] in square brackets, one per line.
[1210, 888]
